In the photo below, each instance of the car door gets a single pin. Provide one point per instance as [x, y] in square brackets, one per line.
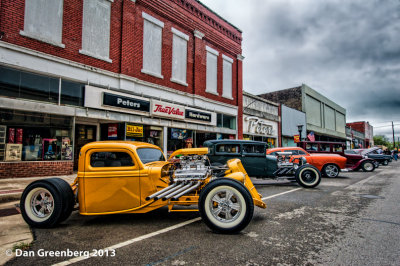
[253, 159]
[111, 181]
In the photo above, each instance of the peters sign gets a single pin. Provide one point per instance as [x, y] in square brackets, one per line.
[258, 126]
[125, 102]
[168, 110]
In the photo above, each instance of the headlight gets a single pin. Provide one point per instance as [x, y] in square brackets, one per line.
[304, 160]
[296, 166]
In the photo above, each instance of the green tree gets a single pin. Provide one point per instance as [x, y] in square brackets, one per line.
[382, 140]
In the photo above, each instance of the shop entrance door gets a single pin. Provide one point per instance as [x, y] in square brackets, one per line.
[83, 135]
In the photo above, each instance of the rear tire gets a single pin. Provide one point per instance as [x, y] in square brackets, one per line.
[330, 170]
[226, 206]
[45, 203]
[308, 176]
[368, 166]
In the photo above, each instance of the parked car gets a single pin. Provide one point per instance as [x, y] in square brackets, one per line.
[354, 162]
[373, 154]
[329, 164]
[260, 165]
[134, 177]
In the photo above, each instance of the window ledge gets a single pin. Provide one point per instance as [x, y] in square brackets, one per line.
[39, 38]
[212, 92]
[151, 73]
[227, 97]
[179, 82]
[81, 51]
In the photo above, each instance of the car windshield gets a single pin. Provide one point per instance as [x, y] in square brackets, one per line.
[148, 155]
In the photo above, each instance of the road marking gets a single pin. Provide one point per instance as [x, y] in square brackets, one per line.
[131, 241]
[283, 193]
[361, 182]
[140, 238]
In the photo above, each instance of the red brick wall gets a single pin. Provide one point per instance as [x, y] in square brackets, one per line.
[126, 40]
[33, 169]
[359, 126]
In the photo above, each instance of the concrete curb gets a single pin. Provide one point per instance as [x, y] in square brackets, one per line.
[10, 197]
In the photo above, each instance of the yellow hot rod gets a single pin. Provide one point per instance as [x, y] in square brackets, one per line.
[134, 177]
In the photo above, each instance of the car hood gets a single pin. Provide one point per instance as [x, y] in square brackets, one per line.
[325, 154]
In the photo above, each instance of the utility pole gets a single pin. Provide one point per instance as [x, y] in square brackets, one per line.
[394, 142]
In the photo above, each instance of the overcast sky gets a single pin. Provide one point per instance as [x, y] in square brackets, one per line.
[348, 50]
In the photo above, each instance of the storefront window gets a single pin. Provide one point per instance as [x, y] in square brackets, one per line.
[36, 137]
[72, 93]
[179, 139]
[26, 85]
[226, 121]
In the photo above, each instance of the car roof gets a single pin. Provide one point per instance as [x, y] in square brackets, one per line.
[117, 144]
[285, 148]
[215, 141]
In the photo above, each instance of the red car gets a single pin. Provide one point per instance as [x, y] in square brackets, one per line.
[328, 164]
[354, 162]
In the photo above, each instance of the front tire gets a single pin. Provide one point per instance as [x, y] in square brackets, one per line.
[367, 166]
[226, 206]
[330, 170]
[308, 176]
[385, 162]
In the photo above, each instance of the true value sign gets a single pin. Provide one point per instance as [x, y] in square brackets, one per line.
[168, 110]
[259, 126]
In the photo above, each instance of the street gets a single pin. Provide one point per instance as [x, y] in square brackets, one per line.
[353, 219]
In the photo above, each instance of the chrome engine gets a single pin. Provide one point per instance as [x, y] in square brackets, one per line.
[192, 167]
[187, 175]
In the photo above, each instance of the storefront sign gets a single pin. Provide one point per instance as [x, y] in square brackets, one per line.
[296, 138]
[259, 126]
[134, 131]
[125, 102]
[196, 115]
[167, 110]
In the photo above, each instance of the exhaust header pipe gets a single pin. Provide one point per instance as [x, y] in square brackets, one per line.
[176, 197]
[168, 191]
[161, 191]
[177, 191]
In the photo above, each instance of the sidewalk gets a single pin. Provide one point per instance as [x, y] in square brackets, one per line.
[14, 230]
[11, 188]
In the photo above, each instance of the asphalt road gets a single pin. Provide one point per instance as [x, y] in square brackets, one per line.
[350, 220]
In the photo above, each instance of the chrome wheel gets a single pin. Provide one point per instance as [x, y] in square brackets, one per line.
[331, 170]
[368, 167]
[41, 203]
[225, 205]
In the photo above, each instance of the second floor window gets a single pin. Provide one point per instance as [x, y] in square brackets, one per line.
[211, 79]
[152, 42]
[227, 77]
[43, 21]
[96, 29]
[179, 57]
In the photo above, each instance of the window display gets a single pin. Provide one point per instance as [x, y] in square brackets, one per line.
[40, 136]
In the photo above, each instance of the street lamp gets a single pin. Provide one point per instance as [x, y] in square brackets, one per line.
[300, 128]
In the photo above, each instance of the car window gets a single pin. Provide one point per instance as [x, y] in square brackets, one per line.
[228, 148]
[338, 147]
[302, 152]
[325, 147]
[110, 159]
[253, 148]
[272, 153]
[294, 152]
[311, 147]
[148, 155]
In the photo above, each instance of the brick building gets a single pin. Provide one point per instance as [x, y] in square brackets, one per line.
[167, 72]
[366, 129]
